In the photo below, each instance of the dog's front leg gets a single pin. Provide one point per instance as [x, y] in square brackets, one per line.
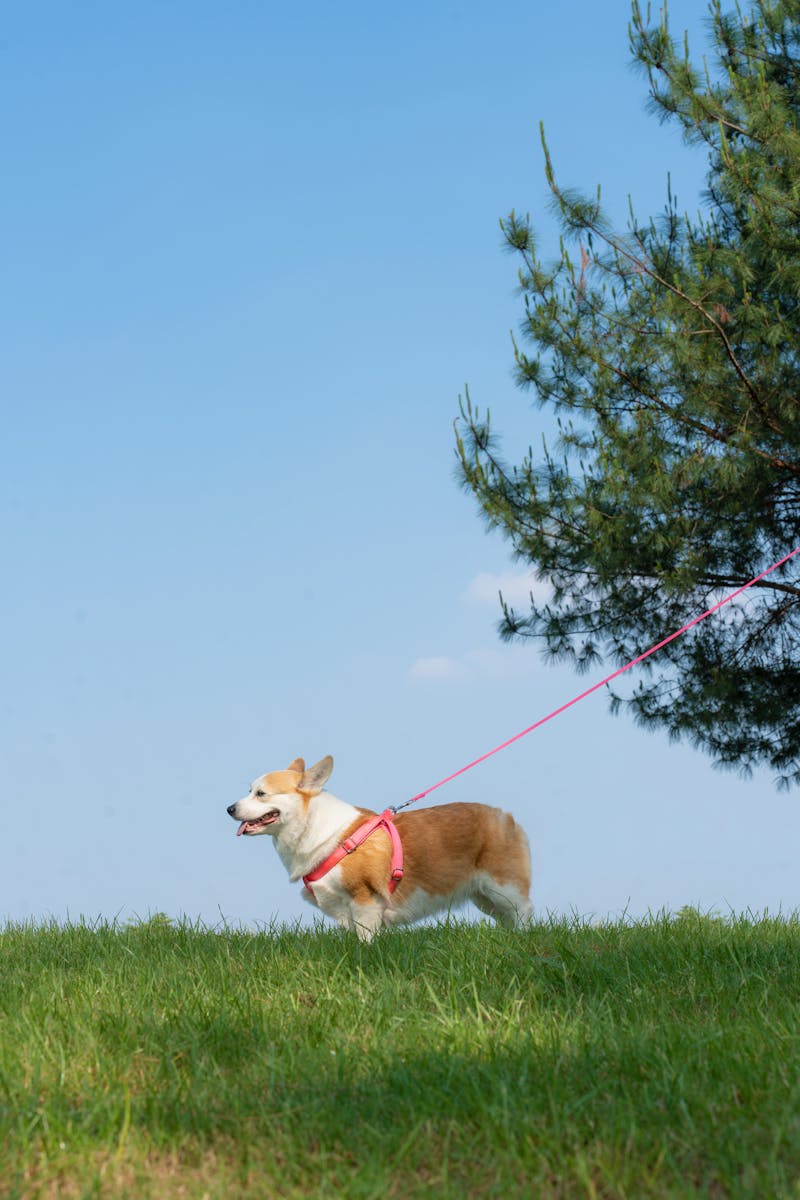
[366, 920]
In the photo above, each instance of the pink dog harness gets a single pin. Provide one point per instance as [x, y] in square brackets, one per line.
[357, 839]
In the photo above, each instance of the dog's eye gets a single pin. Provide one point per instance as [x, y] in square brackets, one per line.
[259, 793]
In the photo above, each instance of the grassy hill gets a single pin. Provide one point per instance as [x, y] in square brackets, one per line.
[659, 1059]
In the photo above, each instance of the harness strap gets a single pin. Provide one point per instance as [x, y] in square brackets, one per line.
[355, 840]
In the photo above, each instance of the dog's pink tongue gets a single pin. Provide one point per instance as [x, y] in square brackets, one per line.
[241, 829]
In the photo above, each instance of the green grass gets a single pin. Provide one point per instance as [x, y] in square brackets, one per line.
[659, 1059]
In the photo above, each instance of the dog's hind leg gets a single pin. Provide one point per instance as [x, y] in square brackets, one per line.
[505, 903]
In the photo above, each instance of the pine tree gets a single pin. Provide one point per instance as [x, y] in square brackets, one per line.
[670, 354]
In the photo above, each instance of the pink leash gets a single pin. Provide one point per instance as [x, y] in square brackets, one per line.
[384, 819]
[639, 658]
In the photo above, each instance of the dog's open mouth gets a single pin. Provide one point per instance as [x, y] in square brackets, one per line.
[252, 826]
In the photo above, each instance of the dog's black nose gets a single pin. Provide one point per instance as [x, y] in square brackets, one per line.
[230, 809]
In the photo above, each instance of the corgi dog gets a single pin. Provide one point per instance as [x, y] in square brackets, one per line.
[443, 857]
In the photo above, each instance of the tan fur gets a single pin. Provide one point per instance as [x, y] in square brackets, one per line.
[279, 782]
[442, 848]
[451, 853]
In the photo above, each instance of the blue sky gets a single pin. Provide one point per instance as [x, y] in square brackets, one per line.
[251, 256]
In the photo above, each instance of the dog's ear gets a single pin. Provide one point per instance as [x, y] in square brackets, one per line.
[297, 765]
[315, 778]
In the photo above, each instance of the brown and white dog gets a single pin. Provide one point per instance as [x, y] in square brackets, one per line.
[452, 853]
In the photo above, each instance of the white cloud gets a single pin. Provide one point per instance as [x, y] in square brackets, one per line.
[516, 587]
[439, 667]
[497, 662]
[494, 662]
